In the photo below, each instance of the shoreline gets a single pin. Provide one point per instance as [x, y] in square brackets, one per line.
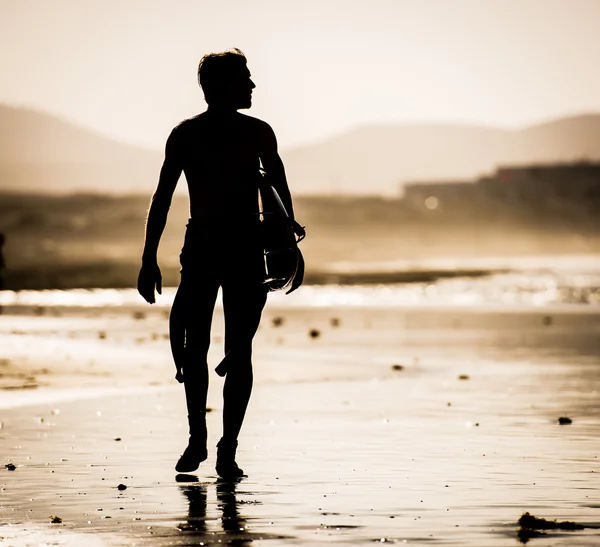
[345, 273]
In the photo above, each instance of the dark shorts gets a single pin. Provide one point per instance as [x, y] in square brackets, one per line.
[229, 256]
[228, 253]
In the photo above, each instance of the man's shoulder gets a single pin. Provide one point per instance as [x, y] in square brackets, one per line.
[192, 128]
[255, 123]
[188, 123]
[181, 133]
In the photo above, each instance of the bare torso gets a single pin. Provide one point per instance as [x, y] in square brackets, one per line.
[220, 155]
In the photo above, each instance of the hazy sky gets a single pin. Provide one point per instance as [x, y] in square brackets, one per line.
[128, 67]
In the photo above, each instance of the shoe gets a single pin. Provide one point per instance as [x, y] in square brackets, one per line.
[226, 467]
[192, 457]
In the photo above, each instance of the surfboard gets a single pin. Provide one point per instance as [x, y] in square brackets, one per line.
[283, 259]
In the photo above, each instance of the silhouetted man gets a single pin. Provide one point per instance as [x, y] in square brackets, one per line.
[220, 152]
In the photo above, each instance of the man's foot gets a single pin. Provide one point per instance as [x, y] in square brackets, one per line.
[194, 455]
[229, 470]
[226, 467]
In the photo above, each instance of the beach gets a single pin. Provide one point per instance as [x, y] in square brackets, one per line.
[370, 422]
[433, 377]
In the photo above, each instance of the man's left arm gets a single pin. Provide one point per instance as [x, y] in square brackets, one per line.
[273, 165]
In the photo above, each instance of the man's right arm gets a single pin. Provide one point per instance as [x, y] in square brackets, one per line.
[161, 200]
[150, 277]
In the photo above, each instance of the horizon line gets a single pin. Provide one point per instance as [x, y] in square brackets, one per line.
[440, 122]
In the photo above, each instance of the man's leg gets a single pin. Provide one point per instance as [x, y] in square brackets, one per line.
[242, 305]
[193, 310]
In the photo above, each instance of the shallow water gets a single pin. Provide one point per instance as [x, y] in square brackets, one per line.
[537, 281]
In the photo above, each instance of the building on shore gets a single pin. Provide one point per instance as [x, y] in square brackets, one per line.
[547, 187]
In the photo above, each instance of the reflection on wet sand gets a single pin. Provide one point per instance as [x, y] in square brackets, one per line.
[234, 528]
[196, 496]
[233, 523]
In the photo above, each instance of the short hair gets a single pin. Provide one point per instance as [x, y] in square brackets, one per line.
[216, 70]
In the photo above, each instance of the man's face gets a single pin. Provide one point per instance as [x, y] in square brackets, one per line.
[241, 89]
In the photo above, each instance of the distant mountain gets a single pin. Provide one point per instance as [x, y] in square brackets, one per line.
[378, 159]
[39, 152]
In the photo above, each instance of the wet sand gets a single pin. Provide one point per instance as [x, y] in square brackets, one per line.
[340, 446]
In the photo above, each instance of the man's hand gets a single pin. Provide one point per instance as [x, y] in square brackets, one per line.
[149, 278]
[298, 230]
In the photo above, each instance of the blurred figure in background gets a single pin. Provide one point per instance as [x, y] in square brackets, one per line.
[2, 263]
[220, 151]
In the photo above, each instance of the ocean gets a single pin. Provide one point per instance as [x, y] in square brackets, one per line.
[539, 281]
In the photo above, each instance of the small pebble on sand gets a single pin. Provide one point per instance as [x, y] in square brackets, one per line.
[334, 321]
[398, 367]
[278, 321]
[547, 321]
[209, 409]
[121, 487]
[55, 519]
[139, 315]
[117, 438]
[464, 377]
[10, 466]
[102, 335]
[564, 420]
[314, 333]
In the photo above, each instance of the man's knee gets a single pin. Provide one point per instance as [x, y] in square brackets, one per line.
[241, 364]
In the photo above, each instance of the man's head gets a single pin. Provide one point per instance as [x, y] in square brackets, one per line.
[225, 79]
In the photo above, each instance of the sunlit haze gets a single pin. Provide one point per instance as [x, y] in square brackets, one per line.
[392, 340]
[128, 69]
